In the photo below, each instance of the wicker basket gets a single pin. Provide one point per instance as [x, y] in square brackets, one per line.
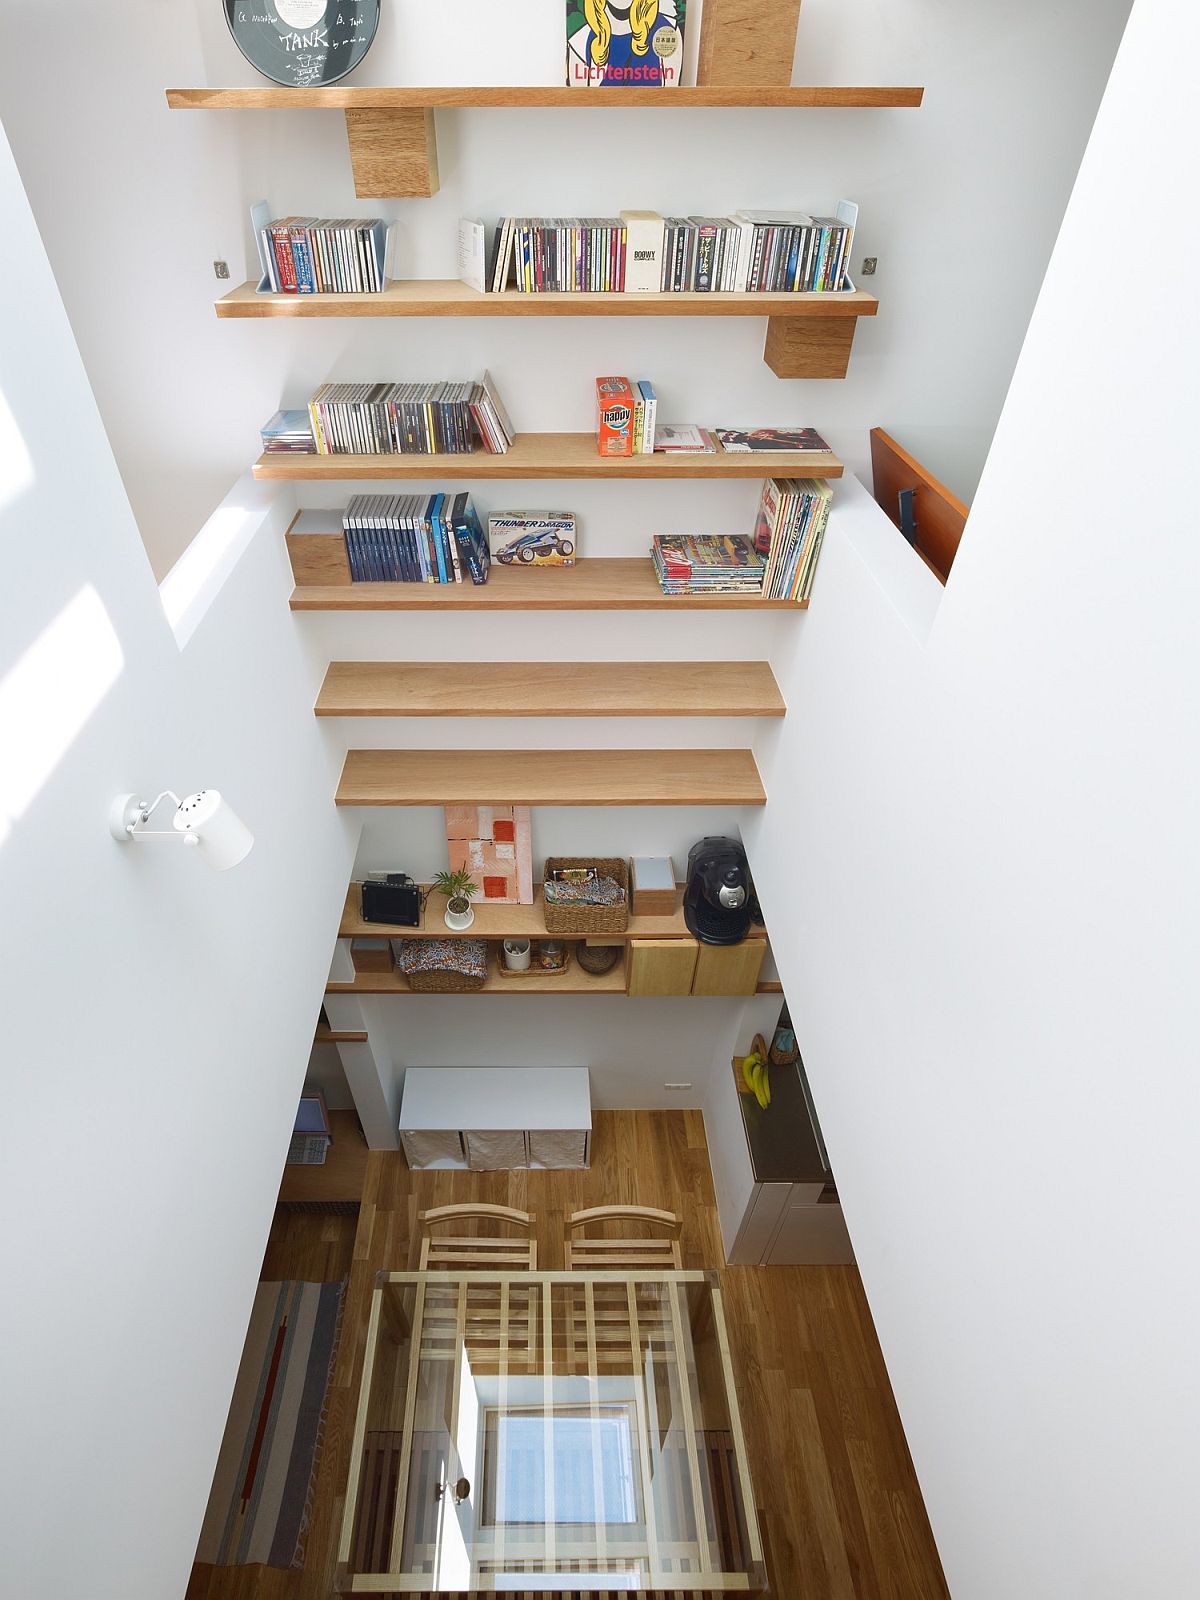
[441, 980]
[597, 959]
[574, 919]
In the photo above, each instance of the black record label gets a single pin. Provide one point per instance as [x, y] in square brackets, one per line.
[303, 43]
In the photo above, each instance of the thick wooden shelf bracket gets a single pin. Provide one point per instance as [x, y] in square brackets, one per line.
[393, 152]
[809, 349]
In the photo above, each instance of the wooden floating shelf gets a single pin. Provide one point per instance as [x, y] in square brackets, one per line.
[337, 97]
[573, 981]
[555, 689]
[550, 778]
[544, 455]
[447, 297]
[326, 1035]
[507, 922]
[593, 584]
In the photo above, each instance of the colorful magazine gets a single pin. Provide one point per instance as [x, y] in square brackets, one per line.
[766, 439]
[638, 45]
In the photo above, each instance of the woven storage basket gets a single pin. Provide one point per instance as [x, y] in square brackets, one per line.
[441, 980]
[575, 919]
[597, 958]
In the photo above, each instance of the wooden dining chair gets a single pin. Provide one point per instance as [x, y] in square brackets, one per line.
[465, 1249]
[656, 1244]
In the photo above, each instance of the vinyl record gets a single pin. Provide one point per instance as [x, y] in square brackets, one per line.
[303, 43]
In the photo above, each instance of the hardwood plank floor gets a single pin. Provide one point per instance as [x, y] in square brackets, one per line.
[841, 1511]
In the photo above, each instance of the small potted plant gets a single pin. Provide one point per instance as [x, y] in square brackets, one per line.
[458, 887]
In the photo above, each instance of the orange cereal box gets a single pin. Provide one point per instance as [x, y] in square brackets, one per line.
[614, 430]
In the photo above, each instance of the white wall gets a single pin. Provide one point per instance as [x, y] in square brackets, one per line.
[960, 202]
[158, 1017]
[991, 956]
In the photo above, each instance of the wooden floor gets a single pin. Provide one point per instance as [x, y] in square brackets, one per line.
[841, 1511]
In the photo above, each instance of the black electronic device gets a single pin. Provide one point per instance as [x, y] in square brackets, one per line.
[392, 897]
[717, 895]
[303, 43]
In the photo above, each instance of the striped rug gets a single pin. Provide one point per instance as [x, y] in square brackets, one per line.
[259, 1505]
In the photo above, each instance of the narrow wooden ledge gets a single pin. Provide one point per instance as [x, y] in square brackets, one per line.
[545, 455]
[550, 778]
[344, 97]
[447, 297]
[549, 689]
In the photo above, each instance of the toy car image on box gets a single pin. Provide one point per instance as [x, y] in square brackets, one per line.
[532, 538]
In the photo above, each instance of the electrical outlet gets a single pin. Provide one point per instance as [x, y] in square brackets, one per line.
[869, 265]
[677, 1086]
[221, 268]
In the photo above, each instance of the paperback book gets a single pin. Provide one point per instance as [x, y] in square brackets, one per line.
[788, 533]
[638, 45]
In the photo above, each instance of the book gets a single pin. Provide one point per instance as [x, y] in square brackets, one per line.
[472, 253]
[688, 563]
[638, 45]
[741, 440]
[649, 406]
[683, 438]
[788, 533]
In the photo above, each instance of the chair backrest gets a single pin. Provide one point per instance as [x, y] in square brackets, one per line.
[465, 1248]
[647, 1238]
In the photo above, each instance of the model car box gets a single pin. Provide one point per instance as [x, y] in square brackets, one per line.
[532, 538]
[614, 424]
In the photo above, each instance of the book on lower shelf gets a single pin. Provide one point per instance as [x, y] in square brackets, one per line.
[788, 534]
[701, 563]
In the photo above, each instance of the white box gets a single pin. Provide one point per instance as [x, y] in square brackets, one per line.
[643, 251]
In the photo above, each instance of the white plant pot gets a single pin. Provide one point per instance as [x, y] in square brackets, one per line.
[458, 920]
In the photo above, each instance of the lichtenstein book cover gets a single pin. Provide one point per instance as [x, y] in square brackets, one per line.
[638, 45]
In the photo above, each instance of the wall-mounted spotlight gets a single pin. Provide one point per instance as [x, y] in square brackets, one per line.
[204, 820]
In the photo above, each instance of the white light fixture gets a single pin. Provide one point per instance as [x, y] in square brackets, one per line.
[204, 820]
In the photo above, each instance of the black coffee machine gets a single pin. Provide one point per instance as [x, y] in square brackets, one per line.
[717, 895]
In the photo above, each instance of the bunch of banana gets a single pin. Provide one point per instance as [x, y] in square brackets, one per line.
[756, 1073]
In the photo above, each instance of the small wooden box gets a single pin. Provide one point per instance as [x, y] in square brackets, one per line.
[652, 886]
[371, 955]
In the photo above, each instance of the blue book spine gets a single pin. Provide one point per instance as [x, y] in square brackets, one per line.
[435, 517]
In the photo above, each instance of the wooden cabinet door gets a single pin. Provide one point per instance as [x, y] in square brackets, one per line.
[729, 968]
[661, 966]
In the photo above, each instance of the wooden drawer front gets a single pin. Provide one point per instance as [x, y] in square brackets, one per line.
[661, 966]
[729, 968]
